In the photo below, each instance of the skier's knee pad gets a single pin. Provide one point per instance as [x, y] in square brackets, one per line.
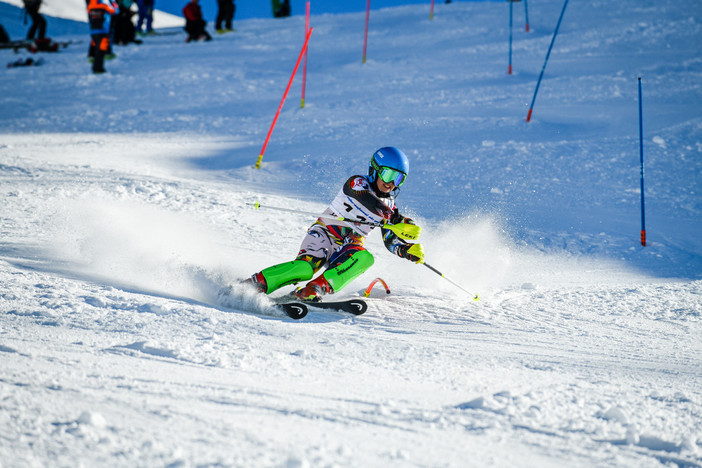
[341, 275]
[283, 274]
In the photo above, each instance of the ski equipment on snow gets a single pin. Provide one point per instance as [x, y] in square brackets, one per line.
[294, 310]
[28, 62]
[474, 296]
[352, 306]
[367, 292]
[38, 45]
[234, 297]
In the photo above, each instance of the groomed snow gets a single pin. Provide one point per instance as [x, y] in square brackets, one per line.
[126, 209]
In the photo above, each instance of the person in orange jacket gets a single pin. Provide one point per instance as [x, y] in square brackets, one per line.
[194, 22]
[100, 15]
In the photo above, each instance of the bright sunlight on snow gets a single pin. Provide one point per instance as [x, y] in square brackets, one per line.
[127, 210]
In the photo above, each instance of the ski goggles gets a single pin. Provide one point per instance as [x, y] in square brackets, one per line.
[389, 175]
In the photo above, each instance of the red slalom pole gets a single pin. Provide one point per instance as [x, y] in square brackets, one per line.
[367, 292]
[431, 10]
[365, 35]
[304, 67]
[282, 101]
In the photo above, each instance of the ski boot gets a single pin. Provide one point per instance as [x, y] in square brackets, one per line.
[314, 290]
[258, 282]
[272, 278]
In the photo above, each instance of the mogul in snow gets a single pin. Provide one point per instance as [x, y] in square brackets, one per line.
[337, 245]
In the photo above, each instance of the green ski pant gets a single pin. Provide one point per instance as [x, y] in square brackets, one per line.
[338, 277]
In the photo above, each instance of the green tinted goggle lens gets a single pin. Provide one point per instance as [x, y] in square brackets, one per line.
[388, 175]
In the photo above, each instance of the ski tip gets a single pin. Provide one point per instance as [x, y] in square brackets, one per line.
[294, 310]
[358, 307]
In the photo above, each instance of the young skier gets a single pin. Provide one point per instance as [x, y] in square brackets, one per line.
[338, 245]
[100, 15]
[195, 23]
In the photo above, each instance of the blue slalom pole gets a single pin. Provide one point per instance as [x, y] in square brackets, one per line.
[526, 14]
[641, 153]
[509, 70]
[553, 39]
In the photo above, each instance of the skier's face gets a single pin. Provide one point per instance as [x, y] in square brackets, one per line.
[385, 187]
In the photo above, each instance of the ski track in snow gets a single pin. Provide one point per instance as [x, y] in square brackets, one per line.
[119, 230]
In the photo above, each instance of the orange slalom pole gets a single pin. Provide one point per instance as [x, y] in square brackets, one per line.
[365, 36]
[367, 292]
[304, 67]
[282, 101]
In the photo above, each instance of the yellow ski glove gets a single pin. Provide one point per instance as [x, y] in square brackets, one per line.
[415, 253]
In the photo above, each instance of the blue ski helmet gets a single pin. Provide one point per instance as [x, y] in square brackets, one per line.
[390, 164]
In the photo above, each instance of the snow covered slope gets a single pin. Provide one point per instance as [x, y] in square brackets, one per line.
[126, 210]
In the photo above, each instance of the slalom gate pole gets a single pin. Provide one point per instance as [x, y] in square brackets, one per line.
[403, 230]
[474, 296]
[509, 70]
[431, 10]
[365, 35]
[304, 67]
[282, 101]
[368, 290]
[526, 14]
[641, 154]
[541, 75]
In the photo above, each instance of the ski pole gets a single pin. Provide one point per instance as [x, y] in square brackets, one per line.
[474, 296]
[403, 230]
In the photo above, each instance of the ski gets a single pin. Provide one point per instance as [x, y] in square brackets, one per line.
[39, 45]
[28, 62]
[294, 310]
[289, 304]
[234, 297]
[352, 306]
[16, 44]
